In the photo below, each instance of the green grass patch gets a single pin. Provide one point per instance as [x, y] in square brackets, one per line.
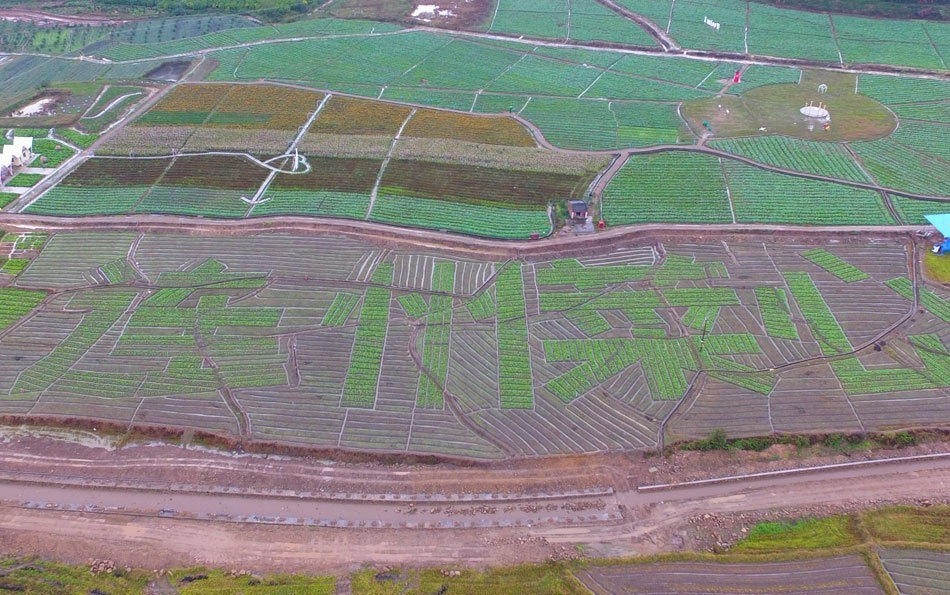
[776, 108]
[801, 534]
[25, 180]
[7, 197]
[15, 266]
[55, 152]
[201, 581]
[81, 140]
[910, 524]
[937, 266]
[36, 576]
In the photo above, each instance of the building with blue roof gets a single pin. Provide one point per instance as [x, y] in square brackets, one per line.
[942, 223]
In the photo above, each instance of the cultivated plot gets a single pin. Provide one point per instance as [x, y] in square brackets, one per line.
[274, 150]
[329, 342]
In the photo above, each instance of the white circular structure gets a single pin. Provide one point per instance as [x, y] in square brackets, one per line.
[813, 111]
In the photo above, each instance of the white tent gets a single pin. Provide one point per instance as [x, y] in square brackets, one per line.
[25, 142]
[15, 154]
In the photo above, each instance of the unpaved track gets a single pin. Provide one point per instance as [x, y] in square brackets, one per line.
[662, 37]
[452, 243]
[138, 536]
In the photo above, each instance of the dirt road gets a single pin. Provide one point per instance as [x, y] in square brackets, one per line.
[321, 532]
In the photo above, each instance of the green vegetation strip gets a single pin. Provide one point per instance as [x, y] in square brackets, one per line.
[831, 532]
[435, 350]
[824, 326]
[514, 362]
[774, 307]
[841, 269]
[340, 309]
[362, 377]
[17, 303]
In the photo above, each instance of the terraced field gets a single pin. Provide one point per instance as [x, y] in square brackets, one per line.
[428, 352]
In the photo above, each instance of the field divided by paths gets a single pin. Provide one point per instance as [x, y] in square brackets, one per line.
[310, 340]
[698, 188]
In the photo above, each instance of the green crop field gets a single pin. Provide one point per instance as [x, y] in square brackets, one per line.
[759, 196]
[668, 187]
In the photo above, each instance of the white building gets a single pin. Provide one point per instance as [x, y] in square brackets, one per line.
[19, 153]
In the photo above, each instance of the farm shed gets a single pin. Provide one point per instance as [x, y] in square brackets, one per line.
[942, 223]
[577, 209]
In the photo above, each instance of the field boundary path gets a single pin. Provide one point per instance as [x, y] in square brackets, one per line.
[425, 238]
[660, 35]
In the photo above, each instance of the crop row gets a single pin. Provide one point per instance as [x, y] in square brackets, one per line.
[935, 304]
[362, 376]
[234, 106]
[790, 33]
[483, 306]
[107, 308]
[683, 268]
[414, 305]
[823, 324]
[584, 21]
[701, 317]
[663, 361]
[340, 309]
[855, 379]
[841, 269]
[484, 220]
[764, 197]
[760, 382]
[671, 187]
[14, 266]
[435, 340]
[17, 303]
[571, 272]
[900, 90]
[589, 322]
[237, 34]
[823, 158]
[514, 365]
[776, 314]
[479, 185]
